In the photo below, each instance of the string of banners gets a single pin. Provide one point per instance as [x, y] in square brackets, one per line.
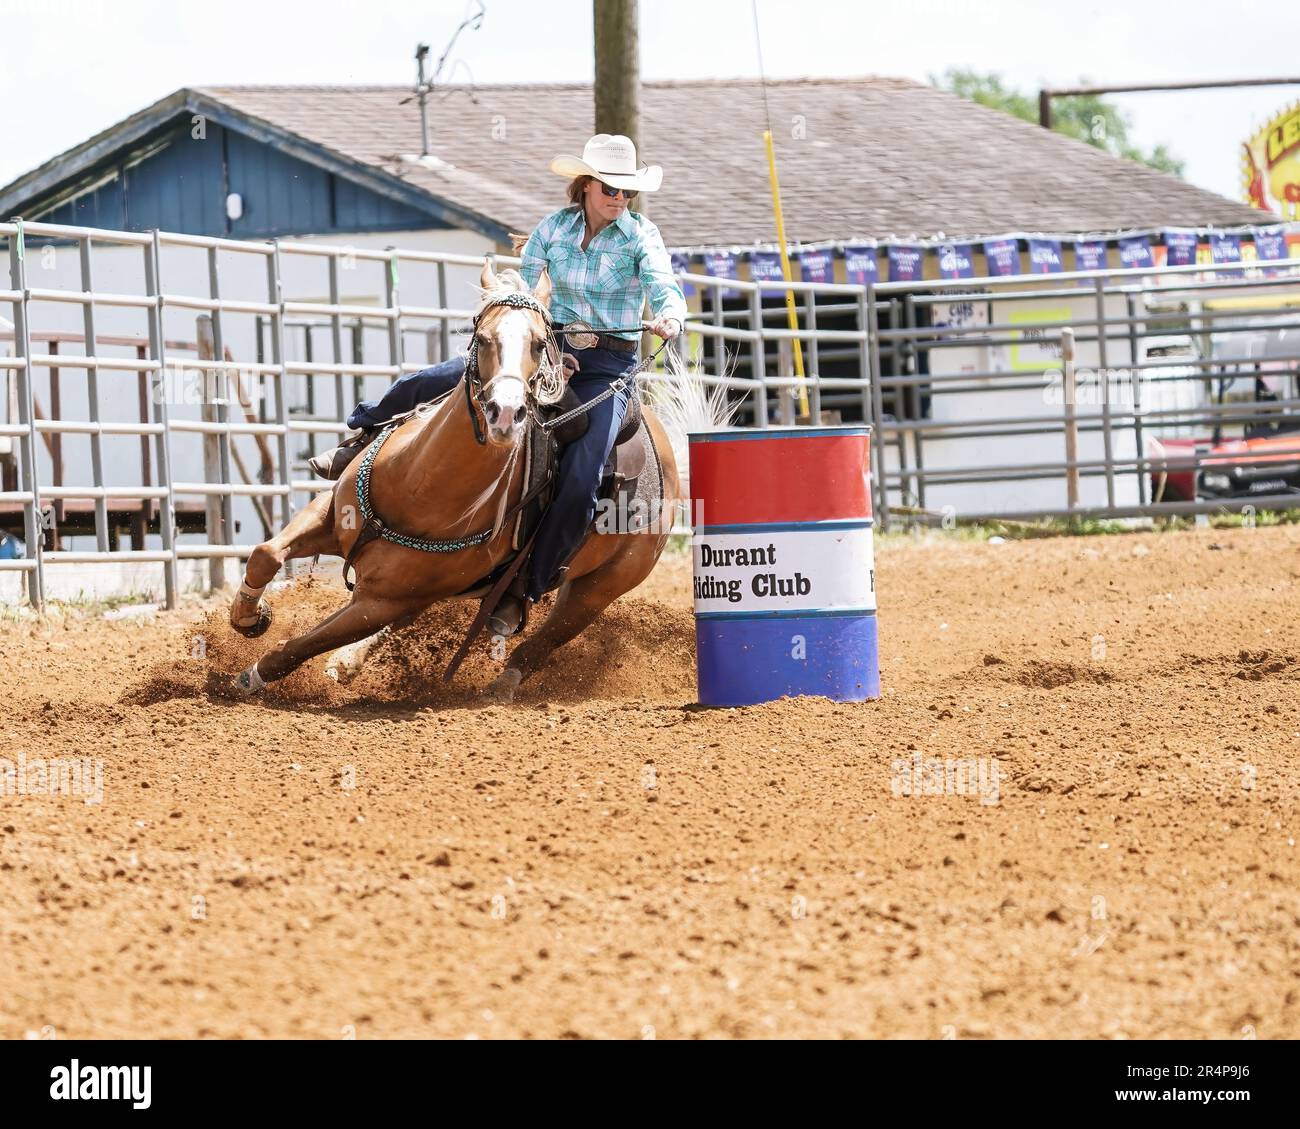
[999, 256]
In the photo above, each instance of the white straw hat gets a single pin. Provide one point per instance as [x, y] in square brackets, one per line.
[611, 158]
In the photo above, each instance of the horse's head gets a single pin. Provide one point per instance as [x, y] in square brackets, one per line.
[516, 352]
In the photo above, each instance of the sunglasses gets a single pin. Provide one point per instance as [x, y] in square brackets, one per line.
[613, 192]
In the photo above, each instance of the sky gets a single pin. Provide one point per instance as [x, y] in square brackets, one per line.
[71, 68]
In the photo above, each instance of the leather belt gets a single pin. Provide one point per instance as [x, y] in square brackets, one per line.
[618, 344]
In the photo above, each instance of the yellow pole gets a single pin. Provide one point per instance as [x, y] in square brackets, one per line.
[792, 318]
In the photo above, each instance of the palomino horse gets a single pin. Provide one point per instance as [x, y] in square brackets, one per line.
[436, 478]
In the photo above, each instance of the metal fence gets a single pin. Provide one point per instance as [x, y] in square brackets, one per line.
[978, 413]
[159, 359]
[1143, 367]
[976, 406]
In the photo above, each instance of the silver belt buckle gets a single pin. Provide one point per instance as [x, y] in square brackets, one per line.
[581, 340]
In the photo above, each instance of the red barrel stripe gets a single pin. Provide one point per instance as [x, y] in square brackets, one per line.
[817, 478]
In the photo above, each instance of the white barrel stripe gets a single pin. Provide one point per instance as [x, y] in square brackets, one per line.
[808, 570]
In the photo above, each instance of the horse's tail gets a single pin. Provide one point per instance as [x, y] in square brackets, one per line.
[684, 404]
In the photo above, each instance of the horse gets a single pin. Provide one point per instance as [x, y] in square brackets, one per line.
[449, 474]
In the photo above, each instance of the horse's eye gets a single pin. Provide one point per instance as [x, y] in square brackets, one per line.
[483, 342]
[538, 346]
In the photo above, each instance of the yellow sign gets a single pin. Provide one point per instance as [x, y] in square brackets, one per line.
[1037, 349]
[1270, 166]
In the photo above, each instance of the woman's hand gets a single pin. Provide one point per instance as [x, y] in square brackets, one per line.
[667, 328]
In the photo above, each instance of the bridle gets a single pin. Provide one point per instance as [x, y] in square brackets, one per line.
[549, 371]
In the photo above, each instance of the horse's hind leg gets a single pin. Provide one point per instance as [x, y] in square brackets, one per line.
[362, 617]
[309, 532]
[346, 663]
[577, 607]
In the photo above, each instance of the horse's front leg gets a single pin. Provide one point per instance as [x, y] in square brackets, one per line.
[309, 532]
[363, 617]
[346, 663]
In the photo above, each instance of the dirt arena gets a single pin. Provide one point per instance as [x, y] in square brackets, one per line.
[605, 860]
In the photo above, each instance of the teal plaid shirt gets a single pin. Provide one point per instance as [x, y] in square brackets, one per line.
[605, 285]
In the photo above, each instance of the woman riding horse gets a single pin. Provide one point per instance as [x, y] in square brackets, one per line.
[603, 260]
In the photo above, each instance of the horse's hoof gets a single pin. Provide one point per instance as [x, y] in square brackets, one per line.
[342, 673]
[248, 683]
[502, 690]
[258, 627]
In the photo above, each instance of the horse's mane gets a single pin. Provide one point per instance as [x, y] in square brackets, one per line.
[509, 281]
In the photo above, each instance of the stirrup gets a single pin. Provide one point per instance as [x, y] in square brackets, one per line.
[509, 616]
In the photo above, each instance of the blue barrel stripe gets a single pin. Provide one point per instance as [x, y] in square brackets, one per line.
[747, 661]
[786, 526]
[790, 613]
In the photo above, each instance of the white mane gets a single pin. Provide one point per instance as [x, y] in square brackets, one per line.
[509, 281]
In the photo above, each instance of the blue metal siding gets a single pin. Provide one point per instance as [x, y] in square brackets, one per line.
[183, 186]
[282, 196]
[101, 207]
[359, 209]
[180, 187]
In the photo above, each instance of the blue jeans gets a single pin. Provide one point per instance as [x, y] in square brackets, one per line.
[573, 501]
[407, 391]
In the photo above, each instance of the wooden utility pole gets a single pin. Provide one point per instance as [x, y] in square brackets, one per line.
[617, 91]
[618, 73]
[618, 69]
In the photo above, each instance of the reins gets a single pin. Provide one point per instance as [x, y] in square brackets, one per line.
[614, 389]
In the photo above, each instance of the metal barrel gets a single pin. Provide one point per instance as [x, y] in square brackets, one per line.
[784, 577]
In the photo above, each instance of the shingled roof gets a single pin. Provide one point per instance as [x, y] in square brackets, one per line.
[860, 157]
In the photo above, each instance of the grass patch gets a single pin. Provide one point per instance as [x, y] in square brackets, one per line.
[80, 605]
[1253, 521]
[909, 527]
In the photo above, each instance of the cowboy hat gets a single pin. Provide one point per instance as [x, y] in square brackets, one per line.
[611, 158]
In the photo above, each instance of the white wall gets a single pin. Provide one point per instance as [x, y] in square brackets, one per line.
[1030, 363]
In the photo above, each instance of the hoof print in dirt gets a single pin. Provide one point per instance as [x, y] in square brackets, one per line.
[232, 687]
[502, 691]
